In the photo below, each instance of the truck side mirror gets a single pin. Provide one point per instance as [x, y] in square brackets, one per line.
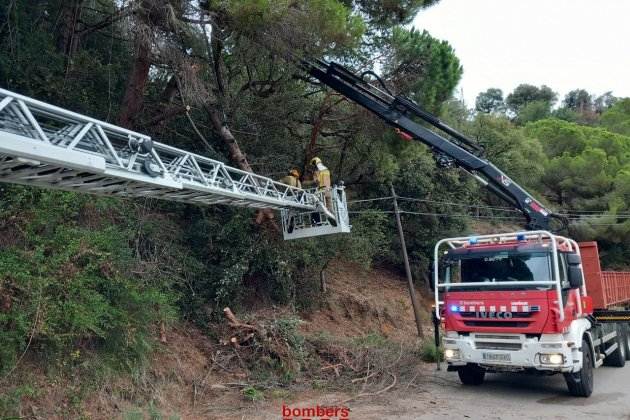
[576, 280]
[574, 259]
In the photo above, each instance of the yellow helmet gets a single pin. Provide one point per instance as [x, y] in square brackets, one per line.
[315, 161]
[294, 172]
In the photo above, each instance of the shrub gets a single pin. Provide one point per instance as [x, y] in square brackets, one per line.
[252, 394]
[68, 286]
[429, 352]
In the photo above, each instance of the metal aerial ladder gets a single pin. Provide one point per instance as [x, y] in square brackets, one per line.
[450, 148]
[50, 147]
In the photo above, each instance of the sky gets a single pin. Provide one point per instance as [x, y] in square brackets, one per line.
[564, 44]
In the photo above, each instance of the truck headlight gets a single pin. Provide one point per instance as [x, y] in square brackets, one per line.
[451, 354]
[552, 359]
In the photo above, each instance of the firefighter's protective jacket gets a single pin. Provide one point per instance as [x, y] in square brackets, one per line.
[292, 181]
[322, 176]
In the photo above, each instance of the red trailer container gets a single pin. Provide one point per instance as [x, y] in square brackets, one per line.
[606, 288]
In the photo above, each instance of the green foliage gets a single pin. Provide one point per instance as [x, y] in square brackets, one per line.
[384, 14]
[583, 162]
[420, 178]
[508, 148]
[558, 137]
[370, 340]
[250, 393]
[566, 114]
[424, 68]
[578, 100]
[151, 412]
[533, 111]
[490, 101]
[429, 352]
[370, 232]
[300, 26]
[587, 170]
[68, 280]
[604, 102]
[280, 354]
[10, 401]
[617, 117]
[525, 94]
[90, 81]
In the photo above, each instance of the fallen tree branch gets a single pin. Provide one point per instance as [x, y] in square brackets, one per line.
[333, 367]
[413, 379]
[364, 378]
[372, 394]
[235, 323]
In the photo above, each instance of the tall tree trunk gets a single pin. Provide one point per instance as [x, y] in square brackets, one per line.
[136, 83]
[235, 153]
[238, 157]
[67, 38]
[215, 49]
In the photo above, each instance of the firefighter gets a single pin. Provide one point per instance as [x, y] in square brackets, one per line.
[321, 179]
[320, 175]
[292, 178]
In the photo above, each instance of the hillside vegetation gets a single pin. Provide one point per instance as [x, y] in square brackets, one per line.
[89, 285]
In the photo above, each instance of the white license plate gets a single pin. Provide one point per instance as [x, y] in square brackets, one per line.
[497, 357]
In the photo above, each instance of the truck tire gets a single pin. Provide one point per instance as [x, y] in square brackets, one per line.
[580, 383]
[618, 357]
[626, 330]
[471, 375]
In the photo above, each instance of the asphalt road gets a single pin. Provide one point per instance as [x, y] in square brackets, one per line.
[504, 396]
[440, 395]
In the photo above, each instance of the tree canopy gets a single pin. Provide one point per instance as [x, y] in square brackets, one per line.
[526, 94]
[218, 78]
[490, 101]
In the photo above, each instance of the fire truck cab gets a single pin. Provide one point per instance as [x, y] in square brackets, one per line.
[518, 302]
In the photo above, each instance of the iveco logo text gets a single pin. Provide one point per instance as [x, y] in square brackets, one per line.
[499, 315]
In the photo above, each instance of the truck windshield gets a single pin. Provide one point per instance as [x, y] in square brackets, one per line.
[503, 266]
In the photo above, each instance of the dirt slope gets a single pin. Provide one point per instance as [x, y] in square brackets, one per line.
[187, 378]
[361, 301]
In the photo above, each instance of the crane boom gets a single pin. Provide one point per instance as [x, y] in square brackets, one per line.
[402, 113]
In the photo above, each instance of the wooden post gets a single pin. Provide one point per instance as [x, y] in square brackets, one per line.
[412, 290]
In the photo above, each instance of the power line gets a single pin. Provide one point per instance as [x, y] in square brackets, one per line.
[474, 206]
[573, 215]
[594, 216]
[457, 215]
[424, 200]
[370, 211]
[368, 200]
[591, 211]
[434, 214]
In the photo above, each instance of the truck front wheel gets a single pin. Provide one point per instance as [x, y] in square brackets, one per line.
[626, 341]
[471, 375]
[580, 383]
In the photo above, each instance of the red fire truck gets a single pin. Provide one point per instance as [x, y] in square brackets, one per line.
[532, 302]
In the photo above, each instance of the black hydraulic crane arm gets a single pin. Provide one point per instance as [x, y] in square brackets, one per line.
[403, 113]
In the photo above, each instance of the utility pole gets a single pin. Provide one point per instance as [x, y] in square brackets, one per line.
[412, 290]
